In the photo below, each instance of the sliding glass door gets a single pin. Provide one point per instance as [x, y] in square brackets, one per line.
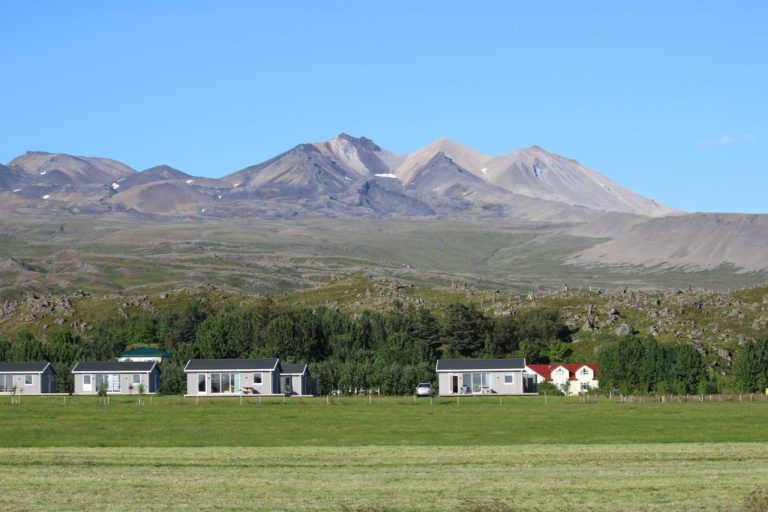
[111, 380]
[474, 382]
[223, 383]
[6, 382]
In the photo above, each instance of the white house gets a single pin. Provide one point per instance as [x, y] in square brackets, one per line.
[571, 379]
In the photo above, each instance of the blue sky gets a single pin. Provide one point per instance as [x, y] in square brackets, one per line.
[668, 98]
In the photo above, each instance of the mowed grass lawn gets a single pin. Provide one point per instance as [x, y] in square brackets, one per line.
[389, 454]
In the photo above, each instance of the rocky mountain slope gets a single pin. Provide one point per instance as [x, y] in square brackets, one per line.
[537, 173]
[75, 170]
[700, 240]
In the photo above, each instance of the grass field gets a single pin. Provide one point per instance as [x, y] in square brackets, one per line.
[554, 477]
[472, 421]
[386, 454]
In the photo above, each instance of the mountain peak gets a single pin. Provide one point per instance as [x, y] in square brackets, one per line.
[462, 156]
[446, 143]
[163, 168]
[359, 155]
[535, 172]
[73, 169]
[360, 142]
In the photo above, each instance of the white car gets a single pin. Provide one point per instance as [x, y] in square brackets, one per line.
[424, 389]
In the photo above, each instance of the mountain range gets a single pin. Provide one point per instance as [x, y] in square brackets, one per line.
[353, 177]
[342, 176]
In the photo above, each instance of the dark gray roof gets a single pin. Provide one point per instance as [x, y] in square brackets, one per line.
[23, 367]
[115, 367]
[453, 365]
[203, 365]
[293, 368]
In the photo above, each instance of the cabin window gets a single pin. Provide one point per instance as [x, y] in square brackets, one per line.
[87, 380]
[584, 387]
[509, 378]
[136, 378]
[27, 380]
[257, 378]
[584, 371]
[201, 383]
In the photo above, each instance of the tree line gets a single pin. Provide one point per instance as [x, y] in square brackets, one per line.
[637, 365]
[642, 365]
[387, 351]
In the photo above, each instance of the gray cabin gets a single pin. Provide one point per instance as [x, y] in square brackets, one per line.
[27, 378]
[294, 379]
[227, 377]
[483, 377]
[122, 378]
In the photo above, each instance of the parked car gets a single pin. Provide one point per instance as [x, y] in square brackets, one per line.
[424, 389]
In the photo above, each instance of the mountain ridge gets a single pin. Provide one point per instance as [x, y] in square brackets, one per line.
[309, 173]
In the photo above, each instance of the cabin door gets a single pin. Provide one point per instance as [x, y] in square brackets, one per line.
[455, 384]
